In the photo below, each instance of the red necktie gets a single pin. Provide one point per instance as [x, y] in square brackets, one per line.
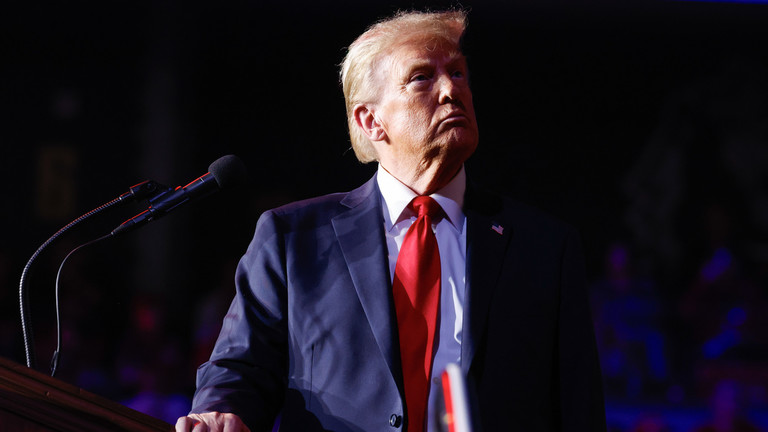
[416, 290]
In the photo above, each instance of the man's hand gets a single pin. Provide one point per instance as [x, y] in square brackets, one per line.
[211, 422]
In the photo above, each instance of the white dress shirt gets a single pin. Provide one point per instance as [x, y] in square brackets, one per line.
[451, 233]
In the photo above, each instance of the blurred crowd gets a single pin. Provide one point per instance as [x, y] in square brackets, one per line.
[681, 310]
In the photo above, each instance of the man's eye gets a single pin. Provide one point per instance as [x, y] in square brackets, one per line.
[420, 77]
[458, 74]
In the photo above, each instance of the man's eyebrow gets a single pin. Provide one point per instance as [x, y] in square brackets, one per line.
[456, 58]
[405, 71]
[421, 63]
[418, 64]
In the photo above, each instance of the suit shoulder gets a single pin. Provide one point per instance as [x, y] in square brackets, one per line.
[311, 211]
[519, 214]
[321, 210]
[322, 204]
[539, 229]
[527, 213]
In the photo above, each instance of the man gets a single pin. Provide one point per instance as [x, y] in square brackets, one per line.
[319, 331]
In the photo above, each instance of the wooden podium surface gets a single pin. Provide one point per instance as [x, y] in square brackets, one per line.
[31, 401]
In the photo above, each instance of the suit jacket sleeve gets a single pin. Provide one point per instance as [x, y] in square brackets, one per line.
[246, 372]
[581, 396]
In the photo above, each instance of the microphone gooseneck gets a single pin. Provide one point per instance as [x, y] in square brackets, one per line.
[26, 319]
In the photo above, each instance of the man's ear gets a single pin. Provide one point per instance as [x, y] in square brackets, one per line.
[368, 122]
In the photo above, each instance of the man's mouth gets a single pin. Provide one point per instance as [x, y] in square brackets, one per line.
[454, 119]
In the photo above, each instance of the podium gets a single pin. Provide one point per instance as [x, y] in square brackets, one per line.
[31, 401]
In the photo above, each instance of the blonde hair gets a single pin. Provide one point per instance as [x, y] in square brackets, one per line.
[359, 64]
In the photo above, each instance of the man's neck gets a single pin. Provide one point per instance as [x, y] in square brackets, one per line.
[423, 180]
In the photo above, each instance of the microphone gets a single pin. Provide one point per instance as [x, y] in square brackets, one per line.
[224, 172]
[453, 406]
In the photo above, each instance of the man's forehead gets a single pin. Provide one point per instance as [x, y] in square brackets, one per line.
[414, 51]
[425, 43]
[418, 52]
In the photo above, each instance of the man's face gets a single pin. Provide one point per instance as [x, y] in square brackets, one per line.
[425, 104]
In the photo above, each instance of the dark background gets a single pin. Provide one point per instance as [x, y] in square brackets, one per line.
[643, 124]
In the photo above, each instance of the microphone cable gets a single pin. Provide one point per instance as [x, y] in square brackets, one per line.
[57, 353]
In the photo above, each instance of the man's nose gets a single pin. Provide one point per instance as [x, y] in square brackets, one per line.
[447, 88]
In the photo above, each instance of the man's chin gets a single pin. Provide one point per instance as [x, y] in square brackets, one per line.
[460, 148]
[462, 140]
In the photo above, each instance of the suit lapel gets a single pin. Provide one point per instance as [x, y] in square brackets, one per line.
[360, 232]
[488, 235]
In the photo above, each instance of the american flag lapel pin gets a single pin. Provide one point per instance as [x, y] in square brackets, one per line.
[498, 228]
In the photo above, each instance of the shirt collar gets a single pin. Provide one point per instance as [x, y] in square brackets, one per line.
[397, 196]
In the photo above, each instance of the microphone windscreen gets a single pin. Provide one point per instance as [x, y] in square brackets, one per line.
[228, 171]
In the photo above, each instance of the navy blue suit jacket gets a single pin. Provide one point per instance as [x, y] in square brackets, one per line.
[312, 331]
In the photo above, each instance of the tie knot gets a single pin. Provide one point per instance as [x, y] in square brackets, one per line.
[426, 206]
